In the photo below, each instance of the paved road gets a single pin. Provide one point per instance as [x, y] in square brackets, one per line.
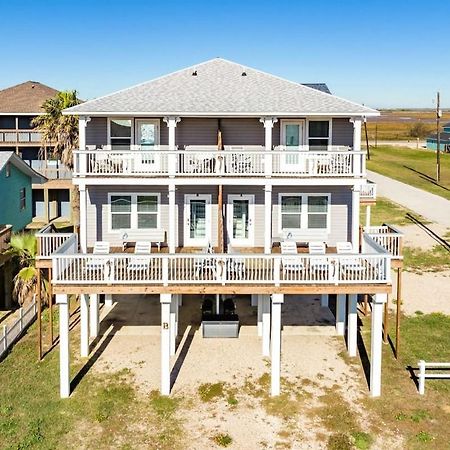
[430, 206]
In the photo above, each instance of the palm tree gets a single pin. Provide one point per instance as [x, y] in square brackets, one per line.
[24, 248]
[60, 132]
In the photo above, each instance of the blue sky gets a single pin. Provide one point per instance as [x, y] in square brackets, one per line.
[380, 53]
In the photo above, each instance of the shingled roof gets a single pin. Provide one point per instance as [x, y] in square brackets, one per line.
[220, 88]
[25, 98]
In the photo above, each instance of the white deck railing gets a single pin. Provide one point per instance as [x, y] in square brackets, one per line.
[48, 241]
[226, 163]
[368, 191]
[175, 269]
[423, 375]
[388, 237]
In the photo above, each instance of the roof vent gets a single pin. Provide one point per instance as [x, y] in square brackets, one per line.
[244, 74]
[194, 73]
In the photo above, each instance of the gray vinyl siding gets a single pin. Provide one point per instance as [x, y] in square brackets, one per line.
[242, 132]
[340, 211]
[342, 132]
[192, 131]
[96, 131]
[98, 211]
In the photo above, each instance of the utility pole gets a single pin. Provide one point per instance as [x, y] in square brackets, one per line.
[438, 138]
[367, 138]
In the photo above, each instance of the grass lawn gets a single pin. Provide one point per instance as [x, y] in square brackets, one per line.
[414, 167]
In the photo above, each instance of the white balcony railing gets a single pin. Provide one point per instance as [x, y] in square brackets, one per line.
[48, 241]
[214, 163]
[388, 238]
[368, 191]
[70, 267]
[15, 136]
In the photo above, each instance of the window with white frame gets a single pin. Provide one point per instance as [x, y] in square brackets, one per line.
[134, 211]
[319, 134]
[303, 212]
[120, 132]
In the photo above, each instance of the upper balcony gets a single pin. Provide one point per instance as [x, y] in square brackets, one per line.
[209, 162]
[25, 137]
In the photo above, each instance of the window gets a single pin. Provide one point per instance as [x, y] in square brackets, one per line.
[120, 133]
[23, 198]
[134, 211]
[304, 212]
[319, 134]
[8, 170]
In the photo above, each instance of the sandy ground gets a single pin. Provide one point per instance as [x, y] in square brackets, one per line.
[312, 363]
[408, 143]
[415, 236]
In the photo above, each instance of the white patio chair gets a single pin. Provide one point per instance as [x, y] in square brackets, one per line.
[141, 262]
[290, 263]
[350, 264]
[99, 264]
[235, 265]
[319, 266]
[205, 265]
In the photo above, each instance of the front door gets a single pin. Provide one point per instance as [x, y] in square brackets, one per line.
[240, 220]
[197, 220]
[293, 138]
[147, 137]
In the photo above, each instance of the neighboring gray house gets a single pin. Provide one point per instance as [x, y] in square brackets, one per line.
[221, 156]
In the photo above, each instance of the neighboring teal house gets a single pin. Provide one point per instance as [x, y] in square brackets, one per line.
[16, 178]
[445, 140]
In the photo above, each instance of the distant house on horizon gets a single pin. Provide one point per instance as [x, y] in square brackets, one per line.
[444, 139]
[19, 105]
[16, 179]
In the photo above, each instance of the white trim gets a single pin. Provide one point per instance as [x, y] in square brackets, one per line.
[303, 213]
[241, 242]
[284, 122]
[134, 213]
[320, 119]
[195, 242]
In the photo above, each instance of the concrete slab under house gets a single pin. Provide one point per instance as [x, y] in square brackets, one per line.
[223, 199]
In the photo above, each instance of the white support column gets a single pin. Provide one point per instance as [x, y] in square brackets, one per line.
[81, 167]
[357, 159]
[83, 218]
[324, 300]
[268, 218]
[352, 325]
[64, 350]
[84, 325]
[259, 314]
[172, 219]
[266, 325]
[368, 211]
[355, 218]
[166, 300]
[94, 322]
[268, 123]
[172, 125]
[340, 314]
[108, 300]
[376, 344]
[173, 324]
[277, 301]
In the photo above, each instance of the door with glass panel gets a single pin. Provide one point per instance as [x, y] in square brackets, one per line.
[240, 220]
[197, 220]
[149, 159]
[293, 139]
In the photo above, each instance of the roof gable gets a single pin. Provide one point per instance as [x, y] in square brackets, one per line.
[220, 87]
[21, 165]
[25, 98]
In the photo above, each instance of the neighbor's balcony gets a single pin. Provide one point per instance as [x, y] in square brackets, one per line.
[20, 137]
[73, 268]
[161, 162]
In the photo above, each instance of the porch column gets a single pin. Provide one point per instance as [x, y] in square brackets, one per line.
[356, 133]
[268, 218]
[352, 325]
[82, 124]
[84, 325]
[324, 300]
[165, 300]
[259, 314]
[340, 314]
[173, 324]
[108, 300]
[94, 322]
[355, 218]
[83, 218]
[172, 218]
[64, 351]
[368, 211]
[268, 123]
[376, 344]
[172, 160]
[266, 325]
[277, 301]
[46, 206]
